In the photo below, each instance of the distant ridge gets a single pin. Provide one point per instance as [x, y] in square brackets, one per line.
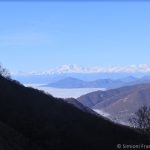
[70, 82]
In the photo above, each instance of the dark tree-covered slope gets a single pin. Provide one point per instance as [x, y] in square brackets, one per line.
[47, 123]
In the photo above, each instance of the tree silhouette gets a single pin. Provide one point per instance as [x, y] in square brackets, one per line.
[4, 72]
[141, 119]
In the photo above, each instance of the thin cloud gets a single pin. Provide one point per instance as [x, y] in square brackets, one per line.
[24, 39]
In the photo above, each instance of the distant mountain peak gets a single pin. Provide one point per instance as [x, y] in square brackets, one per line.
[74, 68]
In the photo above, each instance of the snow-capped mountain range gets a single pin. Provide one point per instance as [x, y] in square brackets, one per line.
[78, 69]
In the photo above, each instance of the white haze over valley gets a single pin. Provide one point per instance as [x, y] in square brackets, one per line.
[102, 113]
[64, 93]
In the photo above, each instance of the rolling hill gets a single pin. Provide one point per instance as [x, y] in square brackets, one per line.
[120, 103]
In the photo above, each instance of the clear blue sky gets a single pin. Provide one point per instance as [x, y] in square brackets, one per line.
[39, 35]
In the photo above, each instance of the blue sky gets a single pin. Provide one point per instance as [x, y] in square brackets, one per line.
[40, 35]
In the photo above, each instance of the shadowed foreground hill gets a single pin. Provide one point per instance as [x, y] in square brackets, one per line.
[42, 122]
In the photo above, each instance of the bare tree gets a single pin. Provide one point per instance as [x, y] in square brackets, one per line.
[141, 119]
[4, 72]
